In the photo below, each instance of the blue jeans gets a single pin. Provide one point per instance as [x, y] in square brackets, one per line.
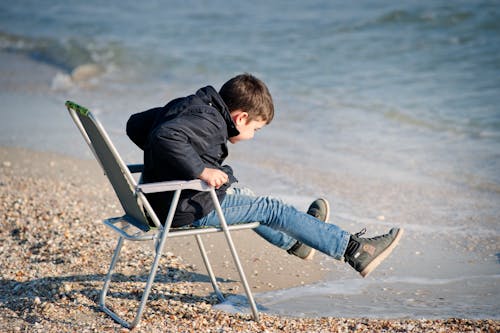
[282, 225]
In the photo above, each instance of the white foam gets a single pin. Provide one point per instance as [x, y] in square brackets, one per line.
[393, 297]
[61, 81]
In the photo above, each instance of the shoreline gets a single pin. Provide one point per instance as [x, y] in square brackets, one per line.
[58, 253]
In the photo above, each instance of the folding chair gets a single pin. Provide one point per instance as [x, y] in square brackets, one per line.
[134, 226]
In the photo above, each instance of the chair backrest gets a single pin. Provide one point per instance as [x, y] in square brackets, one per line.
[115, 169]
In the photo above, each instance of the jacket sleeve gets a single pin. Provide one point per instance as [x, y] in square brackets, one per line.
[141, 124]
[178, 144]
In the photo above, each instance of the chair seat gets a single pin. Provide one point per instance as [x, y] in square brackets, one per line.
[138, 235]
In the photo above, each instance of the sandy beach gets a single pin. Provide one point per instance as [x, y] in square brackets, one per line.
[389, 113]
[55, 252]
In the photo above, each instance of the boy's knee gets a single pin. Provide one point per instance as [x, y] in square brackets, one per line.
[276, 207]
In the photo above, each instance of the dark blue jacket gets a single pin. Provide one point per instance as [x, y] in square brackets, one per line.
[179, 140]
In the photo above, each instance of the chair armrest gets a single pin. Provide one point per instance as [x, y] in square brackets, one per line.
[173, 185]
[135, 168]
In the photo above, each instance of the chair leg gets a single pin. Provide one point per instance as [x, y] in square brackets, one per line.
[209, 268]
[152, 272]
[145, 295]
[236, 259]
[107, 281]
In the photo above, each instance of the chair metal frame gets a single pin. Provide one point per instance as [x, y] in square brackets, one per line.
[134, 226]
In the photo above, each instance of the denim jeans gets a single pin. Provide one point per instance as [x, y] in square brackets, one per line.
[281, 224]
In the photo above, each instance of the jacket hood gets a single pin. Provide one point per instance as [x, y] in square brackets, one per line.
[211, 97]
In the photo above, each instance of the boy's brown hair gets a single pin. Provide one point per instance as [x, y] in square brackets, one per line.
[248, 93]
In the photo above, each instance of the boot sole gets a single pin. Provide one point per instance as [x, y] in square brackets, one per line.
[313, 251]
[382, 256]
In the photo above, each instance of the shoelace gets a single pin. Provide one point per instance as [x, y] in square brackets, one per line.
[360, 233]
[363, 231]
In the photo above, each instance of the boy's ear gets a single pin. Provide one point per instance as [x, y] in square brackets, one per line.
[239, 117]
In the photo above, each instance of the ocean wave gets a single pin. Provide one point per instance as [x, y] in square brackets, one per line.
[80, 59]
[446, 17]
[65, 55]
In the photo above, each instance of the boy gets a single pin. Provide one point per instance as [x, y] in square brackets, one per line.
[187, 139]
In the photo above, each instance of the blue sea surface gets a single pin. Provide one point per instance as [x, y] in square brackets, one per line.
[389, 109]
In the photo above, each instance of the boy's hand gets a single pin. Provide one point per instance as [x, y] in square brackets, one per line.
[214, 177]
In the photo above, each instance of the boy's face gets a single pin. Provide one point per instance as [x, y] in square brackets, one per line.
[246, 128]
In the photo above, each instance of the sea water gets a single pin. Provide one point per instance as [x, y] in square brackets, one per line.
[388, 109]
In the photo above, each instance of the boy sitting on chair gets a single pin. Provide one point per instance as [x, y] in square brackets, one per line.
[187, 139]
